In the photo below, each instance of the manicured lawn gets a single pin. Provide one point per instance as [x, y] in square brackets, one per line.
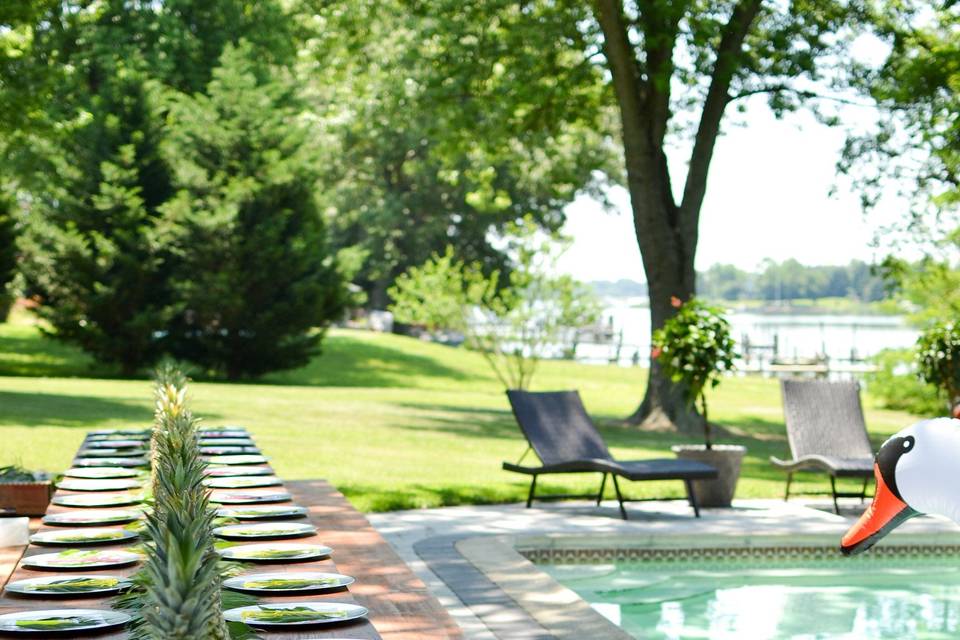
[393, 422]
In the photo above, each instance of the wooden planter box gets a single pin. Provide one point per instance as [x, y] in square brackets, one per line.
[26, 498]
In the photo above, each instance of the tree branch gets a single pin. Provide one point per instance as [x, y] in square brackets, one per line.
[802, 93]
[729, 53]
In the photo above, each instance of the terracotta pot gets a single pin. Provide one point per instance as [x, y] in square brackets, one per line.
[26, 498]
[726, 458]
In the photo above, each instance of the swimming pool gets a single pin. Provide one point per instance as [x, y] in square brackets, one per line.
[813, 595]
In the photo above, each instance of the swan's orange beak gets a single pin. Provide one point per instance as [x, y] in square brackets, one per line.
[883, 515]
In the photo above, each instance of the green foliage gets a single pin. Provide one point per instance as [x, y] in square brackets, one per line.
[93, 246]
[790, 280]
[938, 359]
[695, 349]
[8, 253]
[256, 280]
[897, 385]
[512, 324]
[436, 147]
[15, 473]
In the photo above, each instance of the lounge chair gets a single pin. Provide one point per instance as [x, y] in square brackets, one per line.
[561, 433]
[827, 433]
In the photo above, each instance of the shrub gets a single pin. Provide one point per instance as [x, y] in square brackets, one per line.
[938, 359]
[898, 386]
[694, 348]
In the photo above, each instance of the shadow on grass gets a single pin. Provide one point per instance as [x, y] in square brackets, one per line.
[50, 409]
[346, 362]
[37, 355]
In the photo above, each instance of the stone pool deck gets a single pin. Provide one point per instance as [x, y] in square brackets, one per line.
[467, 555]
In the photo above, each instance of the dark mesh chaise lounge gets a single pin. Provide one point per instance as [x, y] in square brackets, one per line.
[561, 433]
[827, 433]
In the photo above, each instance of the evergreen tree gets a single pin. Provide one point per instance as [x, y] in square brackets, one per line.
[258, 282]
[93, 247]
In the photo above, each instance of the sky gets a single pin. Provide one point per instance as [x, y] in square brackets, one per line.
[767, 197]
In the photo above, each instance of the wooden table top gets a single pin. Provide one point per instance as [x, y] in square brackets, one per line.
[401, 607]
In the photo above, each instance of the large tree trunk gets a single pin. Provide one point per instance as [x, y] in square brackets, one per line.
[667, 231]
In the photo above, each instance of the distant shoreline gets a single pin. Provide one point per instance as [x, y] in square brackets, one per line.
[806, 307]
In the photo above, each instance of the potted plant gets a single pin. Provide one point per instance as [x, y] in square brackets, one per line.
[24, 493]
[694, 348]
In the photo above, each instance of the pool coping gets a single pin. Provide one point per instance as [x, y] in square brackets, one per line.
[496, 578]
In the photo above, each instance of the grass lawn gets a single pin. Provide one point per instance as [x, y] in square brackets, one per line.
[393, 422]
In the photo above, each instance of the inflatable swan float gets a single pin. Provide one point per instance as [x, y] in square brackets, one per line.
[914, 470]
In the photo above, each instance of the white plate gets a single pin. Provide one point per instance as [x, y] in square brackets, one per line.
[248, 497]
[252, 583]
[91, 518]
[236, 471]
[35, 586]
[227, 451]
[266, 512]
[114, 444]
[112, 453]
[226, 442]
[243, 483]
[95, 500]
[284, 552]
[265, 530]
[97, 473]
[91, 619]
[337, 612]
[73, 537]
[111, 462]
[119, 432]
[74, 559]
[237, 459]
[74, 484]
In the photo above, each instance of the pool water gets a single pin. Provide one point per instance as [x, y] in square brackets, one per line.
[764, 599]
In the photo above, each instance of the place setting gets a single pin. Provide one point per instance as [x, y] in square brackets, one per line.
[243, 482]
[113, 453]
[249, 497]
[97, 473]
[77, 559]
[300, 614]
[112, 484]
[236, 471]
[90, 518]
[275, 552]
[91, 536]
[94, 461]
[287, 583]
[95, 500]
[58, 622]
[227, 451]
[70, 586]
[265, 530]
[238, 459]
[266, 512]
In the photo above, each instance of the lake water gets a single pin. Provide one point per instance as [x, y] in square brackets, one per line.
[841, 337]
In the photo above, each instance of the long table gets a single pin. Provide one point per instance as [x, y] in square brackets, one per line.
[401, 608]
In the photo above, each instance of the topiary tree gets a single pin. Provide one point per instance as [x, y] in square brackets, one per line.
[938, 360]
[694, 347]
[257, 281]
